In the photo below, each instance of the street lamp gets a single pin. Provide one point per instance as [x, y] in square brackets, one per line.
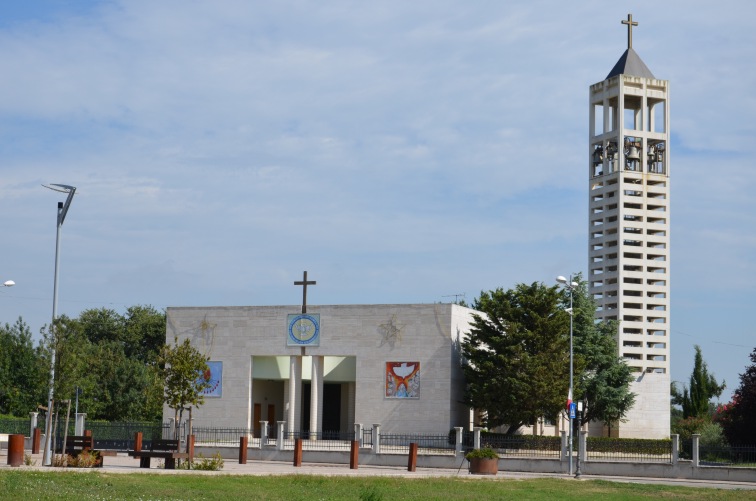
[62, 211]
[570, 286]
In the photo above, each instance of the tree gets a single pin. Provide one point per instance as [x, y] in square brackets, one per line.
[695, 400]
[112, 358]
[605, 381]
[144, 333]
[70, 345]
[21, 370]
[123, 383]
[517, 355]
[186, 375]
[738, 419]
[118, 388]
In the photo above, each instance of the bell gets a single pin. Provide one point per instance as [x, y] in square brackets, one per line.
[633, 154]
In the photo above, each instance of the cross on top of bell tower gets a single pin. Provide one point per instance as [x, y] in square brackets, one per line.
[630, 63]
[630, 23]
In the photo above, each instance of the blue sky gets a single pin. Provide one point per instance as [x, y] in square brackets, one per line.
[401, 152]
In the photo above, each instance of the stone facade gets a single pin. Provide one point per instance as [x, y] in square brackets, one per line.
[356, 342]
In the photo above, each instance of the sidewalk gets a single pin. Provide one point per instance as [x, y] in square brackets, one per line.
[124, 464]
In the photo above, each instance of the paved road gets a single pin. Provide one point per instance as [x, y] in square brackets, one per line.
[125, 464]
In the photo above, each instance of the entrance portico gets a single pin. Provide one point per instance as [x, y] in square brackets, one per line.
[305, 388]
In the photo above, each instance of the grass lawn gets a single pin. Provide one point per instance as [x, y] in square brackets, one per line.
[24, 485]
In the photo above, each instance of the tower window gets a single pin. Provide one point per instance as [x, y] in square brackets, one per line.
[633, 118]
[656, 116]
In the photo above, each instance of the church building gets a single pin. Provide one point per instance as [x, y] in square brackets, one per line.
[329, 367]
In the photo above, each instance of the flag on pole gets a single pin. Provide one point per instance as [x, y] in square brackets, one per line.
[569, 399]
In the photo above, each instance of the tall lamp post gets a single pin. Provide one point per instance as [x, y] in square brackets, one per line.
[570, 286]
[62, 211]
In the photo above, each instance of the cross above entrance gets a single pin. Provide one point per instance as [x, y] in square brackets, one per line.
[630, 23]
[304, 283]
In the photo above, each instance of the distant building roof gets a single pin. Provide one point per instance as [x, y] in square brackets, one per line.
[630, 64]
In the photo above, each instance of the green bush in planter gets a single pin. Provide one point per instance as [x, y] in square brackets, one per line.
[483, 453]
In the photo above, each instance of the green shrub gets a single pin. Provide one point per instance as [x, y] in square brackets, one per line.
[521, 442]
[483, 453]
[629, 445]
[712, 435]
[688, 426]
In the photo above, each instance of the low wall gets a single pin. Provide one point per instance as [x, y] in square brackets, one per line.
[683, 469]
[367, 457]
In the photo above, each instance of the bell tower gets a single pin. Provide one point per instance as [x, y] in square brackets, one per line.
[629, 174]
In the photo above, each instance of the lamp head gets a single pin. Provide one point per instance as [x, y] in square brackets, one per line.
[563, 281]
[63, 188]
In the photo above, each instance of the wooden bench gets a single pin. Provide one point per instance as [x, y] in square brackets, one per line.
[163, 449]
[76, 444]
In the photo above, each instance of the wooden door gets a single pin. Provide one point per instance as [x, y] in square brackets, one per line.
[271, 420]
[256, 420]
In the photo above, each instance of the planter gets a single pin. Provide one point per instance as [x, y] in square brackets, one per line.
[484, 466]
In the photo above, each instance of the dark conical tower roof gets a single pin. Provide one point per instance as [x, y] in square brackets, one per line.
[630, 64]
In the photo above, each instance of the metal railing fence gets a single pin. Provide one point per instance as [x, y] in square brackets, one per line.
[319, 441]
[426, 444]
[685, 448]
[736, 455]
[367, 437]
[221, 436]
[15, 426]
[120, 436]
